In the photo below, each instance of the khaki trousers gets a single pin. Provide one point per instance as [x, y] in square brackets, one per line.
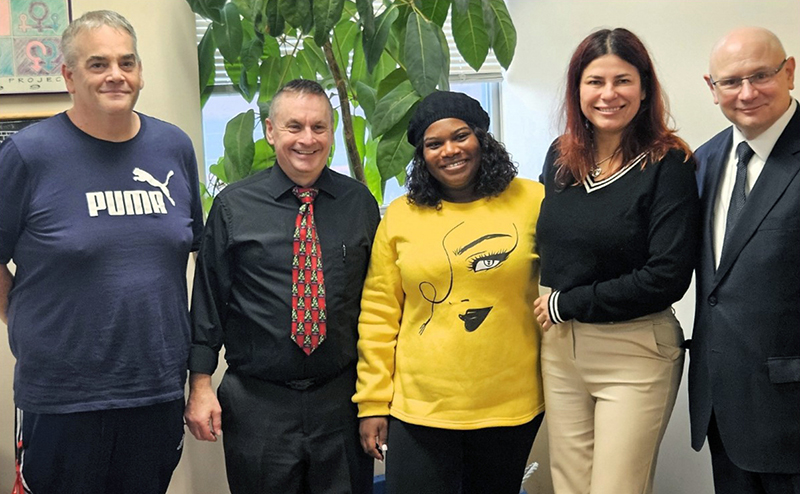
[609, 392]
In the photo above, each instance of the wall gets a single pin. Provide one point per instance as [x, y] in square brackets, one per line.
[679, 35]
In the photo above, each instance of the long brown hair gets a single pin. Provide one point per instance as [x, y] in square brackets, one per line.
[647, 132]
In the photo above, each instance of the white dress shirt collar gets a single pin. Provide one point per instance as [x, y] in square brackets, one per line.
[763, 144]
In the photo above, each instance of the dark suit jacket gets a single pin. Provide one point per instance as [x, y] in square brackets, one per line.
[745, 353]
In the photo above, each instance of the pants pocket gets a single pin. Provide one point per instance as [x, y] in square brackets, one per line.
[668, 337]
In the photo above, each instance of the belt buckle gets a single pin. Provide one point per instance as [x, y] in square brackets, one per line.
[301, 384]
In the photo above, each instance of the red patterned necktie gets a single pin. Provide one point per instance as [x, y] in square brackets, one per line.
[308, 284]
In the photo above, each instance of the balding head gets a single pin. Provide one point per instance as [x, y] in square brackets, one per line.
[753, 93]
[756, 39]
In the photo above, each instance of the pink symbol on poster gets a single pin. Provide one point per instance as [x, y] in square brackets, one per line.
[37, 56]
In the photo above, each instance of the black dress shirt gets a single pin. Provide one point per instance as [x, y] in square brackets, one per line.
[243, 280]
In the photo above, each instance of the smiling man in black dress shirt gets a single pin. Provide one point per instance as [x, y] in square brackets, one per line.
[284, 403]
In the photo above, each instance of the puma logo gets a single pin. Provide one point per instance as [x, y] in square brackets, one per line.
[142, 176]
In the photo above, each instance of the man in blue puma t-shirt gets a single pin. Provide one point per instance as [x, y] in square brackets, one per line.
[99, 210]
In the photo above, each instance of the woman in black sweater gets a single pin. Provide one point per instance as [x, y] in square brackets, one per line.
[617, 235]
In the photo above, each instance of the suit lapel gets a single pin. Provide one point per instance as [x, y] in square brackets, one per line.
[711, 181]
[782, 165]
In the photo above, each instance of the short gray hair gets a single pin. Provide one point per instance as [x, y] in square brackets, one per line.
[89, 21]
[300, 86]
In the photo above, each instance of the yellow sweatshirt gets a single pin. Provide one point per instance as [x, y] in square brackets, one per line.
[447, 335]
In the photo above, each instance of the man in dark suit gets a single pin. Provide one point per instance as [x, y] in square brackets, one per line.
[744, 376]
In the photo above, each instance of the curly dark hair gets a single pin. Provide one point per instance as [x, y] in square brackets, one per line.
[495, 174]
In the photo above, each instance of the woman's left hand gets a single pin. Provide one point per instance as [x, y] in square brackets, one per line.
[541, 312]
[373, 432]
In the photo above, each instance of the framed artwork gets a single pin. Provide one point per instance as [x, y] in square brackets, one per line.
[30, 33]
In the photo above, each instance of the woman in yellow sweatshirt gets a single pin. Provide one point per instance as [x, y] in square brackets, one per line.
[448, 370]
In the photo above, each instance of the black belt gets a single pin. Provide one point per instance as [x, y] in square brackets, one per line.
[303, 384]
[312, 382]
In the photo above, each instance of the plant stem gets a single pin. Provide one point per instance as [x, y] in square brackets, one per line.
[347, 118]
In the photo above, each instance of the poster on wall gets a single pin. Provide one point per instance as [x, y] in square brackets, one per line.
[30, 57]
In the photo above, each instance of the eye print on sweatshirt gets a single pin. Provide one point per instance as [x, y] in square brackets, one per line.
[469, 255]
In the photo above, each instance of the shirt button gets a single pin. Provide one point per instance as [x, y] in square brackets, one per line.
[712, 300]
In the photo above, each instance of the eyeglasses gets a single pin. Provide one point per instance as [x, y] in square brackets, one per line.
[759, 79]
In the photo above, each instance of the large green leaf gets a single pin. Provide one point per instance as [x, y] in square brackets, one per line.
[205, 95]
[461, 6]
[234, 71]
[366, 16]
[504, 42]
[344, 38]
[274, 73]
[264, 156]
[394, 151]
[371, 172]
[358, 70]
[397, 37]
[386, 65]
[249, 8]
[423, 54]
[206, 198]
[245, 82]
[360, 132]
[218, 169]
[444, 81]
[404, 9]
[252, 47]
[374, 46]
[248, 83]
[228, 34]
[239, 146]
[434, 10]
[314, 53]
[349, 11]
[391, 81]
[393, 107]
[488, 18]
[289, 69]
[367, 98]
[209, 9]
[469, 32]
[270, 74]
[306, 65]
[296, 12]
[205, 59]
[275, 22]
[326, 15]
[271, 48]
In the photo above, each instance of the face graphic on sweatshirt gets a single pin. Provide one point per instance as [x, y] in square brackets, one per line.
[473, 255]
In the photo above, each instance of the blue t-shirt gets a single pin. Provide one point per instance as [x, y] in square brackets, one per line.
[100, 233]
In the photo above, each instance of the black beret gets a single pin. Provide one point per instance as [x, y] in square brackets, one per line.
[445, 104]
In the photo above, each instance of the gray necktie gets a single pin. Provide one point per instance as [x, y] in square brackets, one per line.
[739, 197]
